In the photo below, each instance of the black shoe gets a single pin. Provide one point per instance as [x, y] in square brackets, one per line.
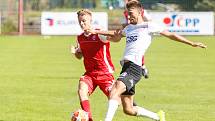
[145, 73]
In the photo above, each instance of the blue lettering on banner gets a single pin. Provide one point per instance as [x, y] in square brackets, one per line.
[183, 30]
[181, 21]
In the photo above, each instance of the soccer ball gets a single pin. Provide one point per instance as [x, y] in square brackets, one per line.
[79, 115]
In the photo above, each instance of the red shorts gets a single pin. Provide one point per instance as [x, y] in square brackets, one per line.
[104, 81]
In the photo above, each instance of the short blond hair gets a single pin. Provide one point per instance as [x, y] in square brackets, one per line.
[84, 12]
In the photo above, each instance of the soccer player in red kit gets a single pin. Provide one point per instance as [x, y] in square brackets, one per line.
[95, 51]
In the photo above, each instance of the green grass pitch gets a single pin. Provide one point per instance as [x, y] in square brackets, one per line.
[39, 77]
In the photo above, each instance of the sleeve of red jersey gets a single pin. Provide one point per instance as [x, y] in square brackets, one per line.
[77, 48]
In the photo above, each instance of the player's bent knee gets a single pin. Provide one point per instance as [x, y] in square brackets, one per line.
[113, 93]
[113, 96]
[117, 89]
[129, 111]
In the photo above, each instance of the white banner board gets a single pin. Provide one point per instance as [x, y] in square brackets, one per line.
[0, 23]
[186, 23]
[66, 23]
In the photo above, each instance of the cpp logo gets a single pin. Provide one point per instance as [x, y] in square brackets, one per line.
[50, 21]
[180, 21]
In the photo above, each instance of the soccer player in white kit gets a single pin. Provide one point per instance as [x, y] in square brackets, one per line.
[138, 39]
[146, 17]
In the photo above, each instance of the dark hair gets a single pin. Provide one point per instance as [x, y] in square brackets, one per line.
[134, 3]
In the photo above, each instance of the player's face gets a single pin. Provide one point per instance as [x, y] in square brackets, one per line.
[133, 14]
[85, 21]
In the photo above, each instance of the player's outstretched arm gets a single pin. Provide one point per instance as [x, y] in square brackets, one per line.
[76, 51]
[114, 36]
[101, 32]
[182, 39]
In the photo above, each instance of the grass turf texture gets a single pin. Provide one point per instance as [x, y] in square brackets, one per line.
[39, 77]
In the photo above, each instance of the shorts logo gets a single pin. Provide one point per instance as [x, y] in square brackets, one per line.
[109, 89]
[123, 75]
[82, 77]
[132, 82]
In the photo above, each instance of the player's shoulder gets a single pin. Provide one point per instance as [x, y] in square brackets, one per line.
[137, 26]
[154, 24]
[80, 35]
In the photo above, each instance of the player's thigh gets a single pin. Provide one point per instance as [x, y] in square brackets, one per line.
[83, 87]
[86, 84]
[106, 83]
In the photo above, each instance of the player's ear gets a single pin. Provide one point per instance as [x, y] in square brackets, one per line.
[140, 12]
[91, 20]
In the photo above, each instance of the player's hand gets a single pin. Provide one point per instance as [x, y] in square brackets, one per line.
[199, 44]
[72, 49]
[116, 37]
[76, 51]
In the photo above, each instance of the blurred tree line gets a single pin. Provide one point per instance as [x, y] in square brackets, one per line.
[40, 5]
[53, 4]
[184, 5]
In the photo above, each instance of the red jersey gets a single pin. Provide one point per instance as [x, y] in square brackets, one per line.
[96, 54]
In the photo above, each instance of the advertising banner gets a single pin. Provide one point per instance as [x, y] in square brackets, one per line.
[186, 23]
[0, 22]
[66, 23]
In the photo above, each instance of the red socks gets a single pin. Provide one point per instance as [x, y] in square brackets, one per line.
[85, 105]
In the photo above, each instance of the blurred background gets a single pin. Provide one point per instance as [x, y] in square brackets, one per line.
[9, 10]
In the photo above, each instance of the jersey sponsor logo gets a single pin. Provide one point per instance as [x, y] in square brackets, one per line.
[130, 39]
[94, 37]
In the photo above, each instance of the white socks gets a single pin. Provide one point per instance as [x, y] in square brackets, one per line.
[146, 113]
[112, 107]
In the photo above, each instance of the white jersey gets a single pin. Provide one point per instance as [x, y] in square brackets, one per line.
[138, 39]
[146, 16]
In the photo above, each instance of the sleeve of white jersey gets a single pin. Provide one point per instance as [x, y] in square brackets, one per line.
[146, 16]
[124, 31]
[155, 28]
